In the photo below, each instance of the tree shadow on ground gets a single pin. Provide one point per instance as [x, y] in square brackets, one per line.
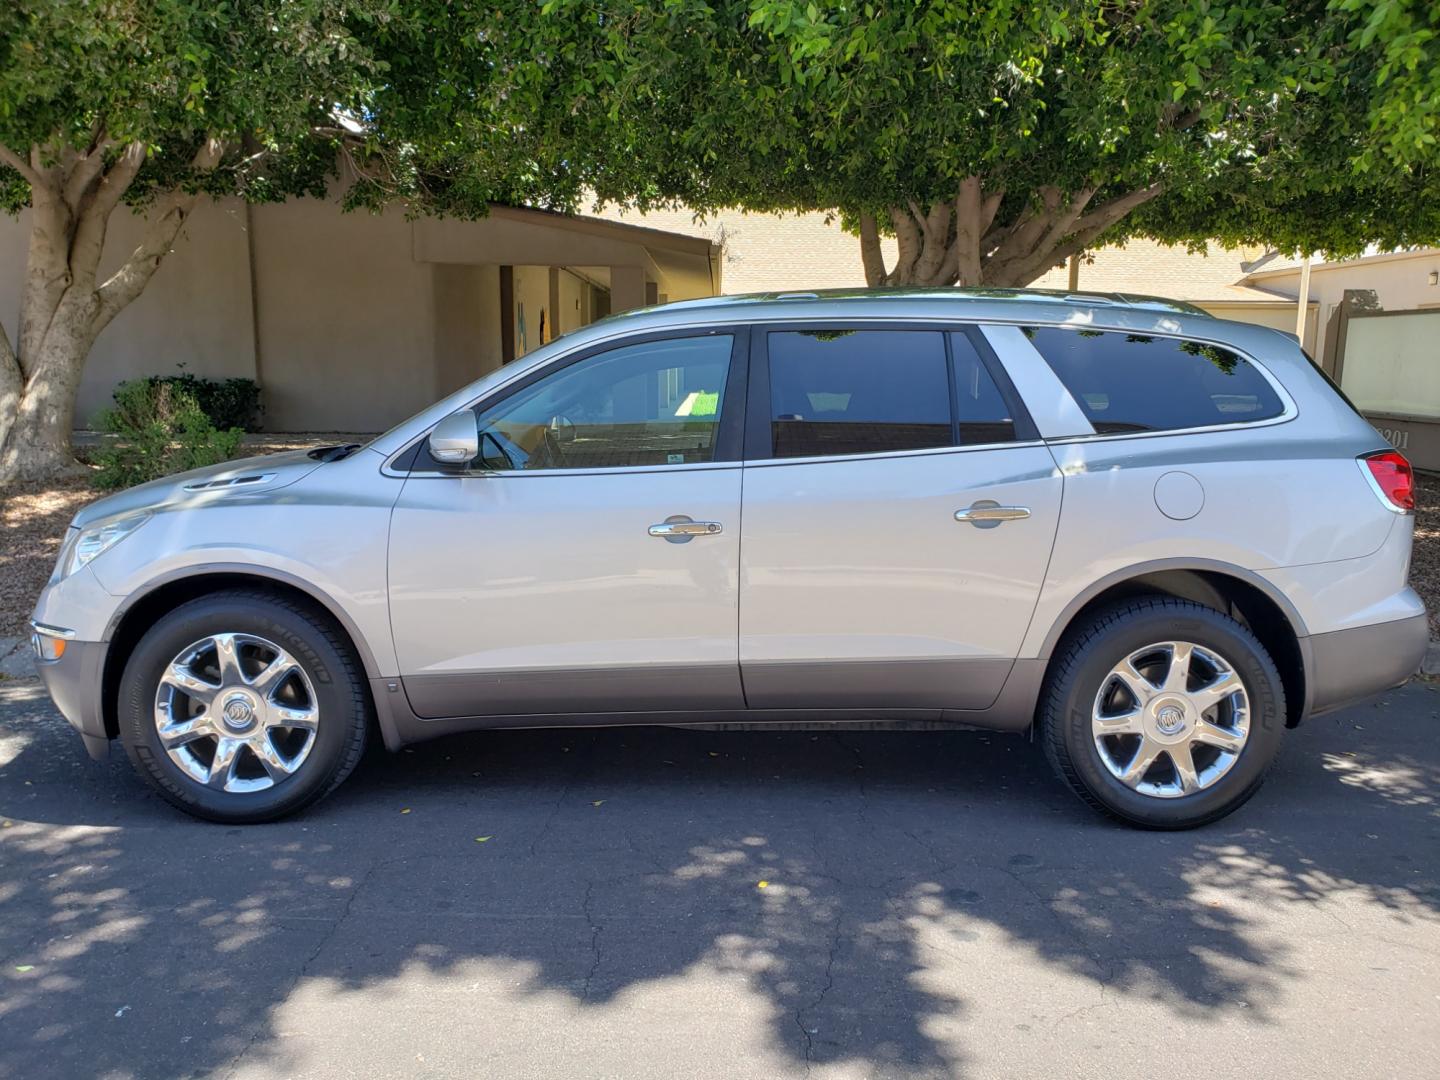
[465, 896]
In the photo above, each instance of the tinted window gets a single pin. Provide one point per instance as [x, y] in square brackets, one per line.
[981, 412]
[857, 391]
[1135, 382]
[652, 403]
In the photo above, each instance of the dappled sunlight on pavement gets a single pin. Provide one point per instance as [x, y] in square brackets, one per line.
[669, 903]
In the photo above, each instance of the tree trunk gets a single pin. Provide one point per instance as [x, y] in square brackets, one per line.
[64, 307]
[966, 241]
[36, 432]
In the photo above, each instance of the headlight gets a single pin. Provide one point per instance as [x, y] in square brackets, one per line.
[83, 545]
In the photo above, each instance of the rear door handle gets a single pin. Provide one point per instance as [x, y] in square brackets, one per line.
[681, 529]
[987, 514]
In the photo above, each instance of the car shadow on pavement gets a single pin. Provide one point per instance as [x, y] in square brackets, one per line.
[868, 903]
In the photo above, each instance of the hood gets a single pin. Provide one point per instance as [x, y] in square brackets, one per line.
[199, 487]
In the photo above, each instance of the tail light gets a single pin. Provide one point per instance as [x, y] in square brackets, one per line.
[1392, 478]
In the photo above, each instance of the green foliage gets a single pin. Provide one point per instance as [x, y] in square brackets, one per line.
[226, 403]
[160, 429]
[405, 101]
[1292, 123]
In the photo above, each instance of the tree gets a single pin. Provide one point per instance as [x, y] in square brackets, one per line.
[995, 140]
[155, 104]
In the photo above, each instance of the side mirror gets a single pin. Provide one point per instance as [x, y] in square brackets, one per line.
[456, 439]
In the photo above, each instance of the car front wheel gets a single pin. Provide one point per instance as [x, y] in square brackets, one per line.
[243, 707]
[1163, 713]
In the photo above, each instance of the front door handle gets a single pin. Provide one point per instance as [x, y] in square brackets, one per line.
[987, 514]
[681, 529]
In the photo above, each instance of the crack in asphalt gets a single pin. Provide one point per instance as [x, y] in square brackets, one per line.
[1102, 985]
[595, 929]
[1066, 929]
[800, 1012]
[262, 1026]
[864, 808]
[570, 778]
[944, 866]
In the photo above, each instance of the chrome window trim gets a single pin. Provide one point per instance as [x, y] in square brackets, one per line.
[883, 455]
[1206, 429]
[928, 321]
[606, 470]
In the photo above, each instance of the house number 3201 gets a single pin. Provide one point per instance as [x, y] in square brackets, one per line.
[1396, 437]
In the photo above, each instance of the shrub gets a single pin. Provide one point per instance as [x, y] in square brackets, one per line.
[160, 430]
[227, 402]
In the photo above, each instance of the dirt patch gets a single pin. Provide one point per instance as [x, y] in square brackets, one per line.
[1425, 562]
[32, 524]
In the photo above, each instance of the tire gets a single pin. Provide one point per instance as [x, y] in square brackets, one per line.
[1148, 631]
[319, 689]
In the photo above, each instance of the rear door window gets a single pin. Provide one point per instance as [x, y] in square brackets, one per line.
[857, 392]
[836, 391]
[982, 414]
[1128, 382]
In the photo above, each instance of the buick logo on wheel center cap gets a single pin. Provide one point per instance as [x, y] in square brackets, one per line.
[1170, 719]
[238, 712]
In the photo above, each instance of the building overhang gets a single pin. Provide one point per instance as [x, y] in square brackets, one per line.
[682, 267]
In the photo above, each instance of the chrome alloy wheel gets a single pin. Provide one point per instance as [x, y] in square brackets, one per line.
[1171, 719]
[236, 712]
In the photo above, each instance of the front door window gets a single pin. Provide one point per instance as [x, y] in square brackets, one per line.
[650, 403]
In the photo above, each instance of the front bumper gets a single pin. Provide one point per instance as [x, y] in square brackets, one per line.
[1349, 666]
[75, 682]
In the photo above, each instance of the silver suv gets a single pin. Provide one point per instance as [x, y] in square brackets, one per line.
[1154, 537]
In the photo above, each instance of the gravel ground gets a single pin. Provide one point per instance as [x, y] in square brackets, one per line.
[33, 519]
[1425, 563]
[32, 522]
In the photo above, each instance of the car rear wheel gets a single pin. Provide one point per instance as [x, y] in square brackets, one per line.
[243, 707]
[1163, 713]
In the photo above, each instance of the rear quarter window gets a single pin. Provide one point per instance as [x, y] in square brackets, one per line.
[1128, 382]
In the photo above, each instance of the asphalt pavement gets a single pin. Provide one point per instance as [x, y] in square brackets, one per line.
[663, 903]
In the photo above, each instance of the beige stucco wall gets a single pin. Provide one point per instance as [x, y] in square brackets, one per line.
[769, 252]
[196, 311]
[571, 315]
[1401, 283]
[351, 322]
[347, 342]
[466, 302]
[1277, 318]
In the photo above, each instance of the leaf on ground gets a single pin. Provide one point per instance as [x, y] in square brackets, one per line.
[598, 802]
[482, 839]
[762, 885]
[22, 968]
[406, 810]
